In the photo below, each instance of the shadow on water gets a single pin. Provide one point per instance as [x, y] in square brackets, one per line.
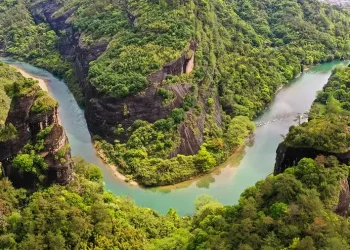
[226, 182]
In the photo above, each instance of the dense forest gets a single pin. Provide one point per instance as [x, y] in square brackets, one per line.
[243, 51]
[302, 208]
[293, 210]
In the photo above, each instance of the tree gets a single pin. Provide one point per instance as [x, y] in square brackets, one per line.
[24, 162]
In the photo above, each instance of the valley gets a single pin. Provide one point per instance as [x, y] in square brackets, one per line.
[174, 124]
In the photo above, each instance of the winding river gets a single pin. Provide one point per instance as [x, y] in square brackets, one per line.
[228, 181]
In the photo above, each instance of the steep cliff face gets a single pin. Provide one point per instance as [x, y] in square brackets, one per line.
[41, 132]
[288, 156]
[344, 198]
[103, 112]
[70, 45]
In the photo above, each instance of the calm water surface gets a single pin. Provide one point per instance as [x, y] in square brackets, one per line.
[225, 183]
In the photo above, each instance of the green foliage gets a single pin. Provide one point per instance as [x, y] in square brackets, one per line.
[24, 162]
[88, 171]
[167, 95]
[238, 130]
[251, 47]
[178, 115]
[293, 210]
[144, 36]
[324, 133]
[327, 129]
[28, 41]
[29, 163]
[278, 209]
[61, 153]
[245, 51]
[144, 156]
[82, 215]
[8, 76]
[43, 103]
[22, 87]
[44, 132]
[8, 132]
[188, 102]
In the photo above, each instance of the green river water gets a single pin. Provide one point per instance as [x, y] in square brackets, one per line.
[228, 181]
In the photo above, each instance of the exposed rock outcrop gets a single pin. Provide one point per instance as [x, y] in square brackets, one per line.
[288, 156]
[103, 113]
[55, 150]
[344, 198]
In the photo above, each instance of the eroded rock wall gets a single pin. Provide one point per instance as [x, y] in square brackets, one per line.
[104, 113]
[28, 124]
[289, 157]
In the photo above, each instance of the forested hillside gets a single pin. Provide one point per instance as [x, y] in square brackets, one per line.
[22, 38]
[305, 207]
[169, 86]
[7, 77]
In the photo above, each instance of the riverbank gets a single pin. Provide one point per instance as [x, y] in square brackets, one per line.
[42, 83]
[114, 168]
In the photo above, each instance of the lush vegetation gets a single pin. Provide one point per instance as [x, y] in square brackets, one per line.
[144, 156]
[27, 41]
[7, 132]
[328, 128]
[245, 51]
[23, 39]
[293, 210]
[43, 102]
[26, 87]
[247, 48]
[8, 76]
[83, 216]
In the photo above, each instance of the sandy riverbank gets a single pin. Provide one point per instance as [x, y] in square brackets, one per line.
[42, 83]
[114, 169]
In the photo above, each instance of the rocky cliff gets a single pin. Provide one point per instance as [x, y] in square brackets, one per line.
[288, 156]
[342, 207]
[39, 136]
[103, 112]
